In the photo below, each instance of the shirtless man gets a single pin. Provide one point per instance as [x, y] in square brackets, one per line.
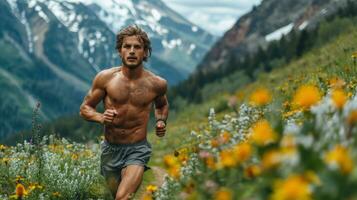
[127, 92]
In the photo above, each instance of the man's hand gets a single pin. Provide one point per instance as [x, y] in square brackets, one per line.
[108, 116]
[160, 128]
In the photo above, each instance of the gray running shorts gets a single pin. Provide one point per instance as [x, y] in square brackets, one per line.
[115, 157]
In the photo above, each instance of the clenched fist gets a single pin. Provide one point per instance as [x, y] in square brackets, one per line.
[108, 116]
[160, 128]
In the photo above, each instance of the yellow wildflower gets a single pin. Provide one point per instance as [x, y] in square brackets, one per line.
[6, 160]
[354, 55]
[306, 96]
[170, 160]
[295, 187]
[311, 177]
[242, 152]
[74, 156]
[260, 97]
[288, 146]
[20, 190]
[19, 178]
[214, 143]
[33, 186]
[227, 158]
[2, 147]
[174, 171]
[223, 194]
[224, 137]
[262, 133]
[352, 117]
[336, 82]
[56, 194]
[151, 188]
[339, 98]
[271, 159]
[252, 171]
[210, 162]
[339, 156]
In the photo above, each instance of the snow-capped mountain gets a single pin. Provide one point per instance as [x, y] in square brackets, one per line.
[50, 50]
[264, 23]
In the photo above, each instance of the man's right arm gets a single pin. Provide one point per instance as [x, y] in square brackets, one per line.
[91, 100]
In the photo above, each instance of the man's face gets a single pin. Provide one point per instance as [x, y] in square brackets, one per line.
[132, 52]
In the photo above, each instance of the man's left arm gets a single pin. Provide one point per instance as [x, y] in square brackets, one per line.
[161, 110]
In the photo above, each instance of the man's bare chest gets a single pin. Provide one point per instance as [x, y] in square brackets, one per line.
[139, 93]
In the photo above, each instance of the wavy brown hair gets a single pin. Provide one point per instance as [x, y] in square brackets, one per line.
[134, 30]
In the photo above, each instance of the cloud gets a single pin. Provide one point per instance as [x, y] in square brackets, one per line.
[212, 15]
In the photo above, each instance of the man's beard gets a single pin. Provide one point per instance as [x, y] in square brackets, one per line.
[131, 66]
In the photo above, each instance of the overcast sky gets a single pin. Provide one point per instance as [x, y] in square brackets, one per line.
[215, 16]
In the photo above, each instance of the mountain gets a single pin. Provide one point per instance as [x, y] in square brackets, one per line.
[265, 23]
[50, 50]
[270, 35]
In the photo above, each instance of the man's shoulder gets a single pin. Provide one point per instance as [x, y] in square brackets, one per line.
[106, 74]
[159, 83]
[156, 79]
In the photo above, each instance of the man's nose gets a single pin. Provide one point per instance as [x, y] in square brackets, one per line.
[131, 50]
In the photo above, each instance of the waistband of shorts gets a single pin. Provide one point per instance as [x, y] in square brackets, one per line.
[126, 145]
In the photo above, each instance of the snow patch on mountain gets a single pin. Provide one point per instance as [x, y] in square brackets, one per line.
[277, 34]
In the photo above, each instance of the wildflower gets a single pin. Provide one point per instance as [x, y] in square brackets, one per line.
[210, 162]
[56, 194]
[336, 83]
[170, 160]
[174, 171]
[339, 156]
[2, 147]
[224, 137]
[288, 146]
[252, 171]
[260, 97]
[339, 98]
[312, 177]
[354, 55]
[74, 156]
[214, 143]
[210, 185]
[242, 152]
[6, 160]
[306, 96]
[352, 117]
[295, 187]
[34, 186]
[227, 158]
[262, 133]
[271, 159]
[151, 188]
[19, 178]
[20, 191]
[223, 194]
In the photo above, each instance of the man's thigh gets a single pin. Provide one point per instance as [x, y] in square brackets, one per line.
[131, 177]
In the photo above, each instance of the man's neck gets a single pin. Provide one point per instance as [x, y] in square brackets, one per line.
[132, 73]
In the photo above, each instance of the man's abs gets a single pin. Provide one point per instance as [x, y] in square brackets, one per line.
[129, 126]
